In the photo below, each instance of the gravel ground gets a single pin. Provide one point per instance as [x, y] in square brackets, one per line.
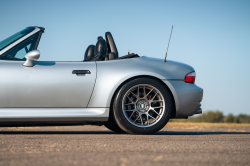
[92, 145]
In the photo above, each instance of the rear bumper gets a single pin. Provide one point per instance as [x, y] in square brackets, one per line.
[187, 97]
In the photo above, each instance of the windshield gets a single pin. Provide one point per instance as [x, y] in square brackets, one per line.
[15, 37]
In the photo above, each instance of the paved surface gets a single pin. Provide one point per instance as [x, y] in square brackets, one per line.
[90, 145]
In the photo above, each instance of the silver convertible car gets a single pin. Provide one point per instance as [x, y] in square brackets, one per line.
[132, 94]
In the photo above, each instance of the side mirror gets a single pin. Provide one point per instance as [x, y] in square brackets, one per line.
[30, 57]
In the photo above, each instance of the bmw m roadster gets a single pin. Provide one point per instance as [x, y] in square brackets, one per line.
[129, 93]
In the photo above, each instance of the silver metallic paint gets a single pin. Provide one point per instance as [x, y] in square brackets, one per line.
[111, 74]
[53, 114]
[49, 91]
[187, 97]
[46, 84]
[30, 57]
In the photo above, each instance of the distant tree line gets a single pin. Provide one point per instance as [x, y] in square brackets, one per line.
[216, 117]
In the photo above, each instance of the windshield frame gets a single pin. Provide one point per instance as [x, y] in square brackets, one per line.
[13, 44]
[4, 43]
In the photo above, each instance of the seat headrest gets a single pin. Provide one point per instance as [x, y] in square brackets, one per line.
[111, 44]
[99, 37]
[101, 46]
[100, 50]
[89, 53]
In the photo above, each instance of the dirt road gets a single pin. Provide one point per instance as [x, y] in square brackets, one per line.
[91, 145]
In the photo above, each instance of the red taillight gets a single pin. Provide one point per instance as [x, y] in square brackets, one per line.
[190, 77]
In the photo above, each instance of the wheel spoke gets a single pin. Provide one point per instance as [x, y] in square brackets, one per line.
[130, 99]
[135, 95]
[154, 101]
[151, 116]
[154, 96]
[157, 107]
[131, 114]
[137, 118]
[155, 111]
[149, 92]
[141, 120]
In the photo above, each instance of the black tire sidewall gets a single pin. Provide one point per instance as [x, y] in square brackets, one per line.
[122, 121]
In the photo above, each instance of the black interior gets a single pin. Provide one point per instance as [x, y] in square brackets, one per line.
[101, 50]
[112, 50]
[89, 53]
[104, 50]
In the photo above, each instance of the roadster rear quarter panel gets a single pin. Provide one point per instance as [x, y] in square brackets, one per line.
[112, 74]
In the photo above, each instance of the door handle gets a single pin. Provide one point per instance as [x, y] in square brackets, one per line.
[81, 72]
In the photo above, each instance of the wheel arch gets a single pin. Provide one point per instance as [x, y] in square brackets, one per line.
[111, 115]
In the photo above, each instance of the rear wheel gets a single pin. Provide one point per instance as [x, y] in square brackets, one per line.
[142, 106]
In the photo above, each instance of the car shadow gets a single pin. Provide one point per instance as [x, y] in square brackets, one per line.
[59, 132]
[44, 63]
[112, 132]
[198, 132]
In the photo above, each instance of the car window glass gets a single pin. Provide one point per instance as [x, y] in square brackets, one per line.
[22, 52]
[15, 37]
[19, 52]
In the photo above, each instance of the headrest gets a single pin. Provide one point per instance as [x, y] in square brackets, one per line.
[111, 44]
[89, 53]
[99, 37]
[100, 50]
[100, 46]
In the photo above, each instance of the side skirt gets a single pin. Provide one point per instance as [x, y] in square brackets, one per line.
[52, 116]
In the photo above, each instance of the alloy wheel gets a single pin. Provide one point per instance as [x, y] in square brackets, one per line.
[143, 105]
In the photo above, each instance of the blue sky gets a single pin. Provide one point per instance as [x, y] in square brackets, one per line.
[211, 36]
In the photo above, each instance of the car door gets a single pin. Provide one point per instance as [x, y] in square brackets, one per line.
[46, 84]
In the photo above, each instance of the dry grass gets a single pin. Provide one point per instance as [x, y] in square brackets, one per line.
[208, 125]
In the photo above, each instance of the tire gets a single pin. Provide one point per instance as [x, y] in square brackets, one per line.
[113, 127]
[142, 106]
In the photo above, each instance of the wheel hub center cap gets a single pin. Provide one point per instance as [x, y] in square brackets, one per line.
[142, 105]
